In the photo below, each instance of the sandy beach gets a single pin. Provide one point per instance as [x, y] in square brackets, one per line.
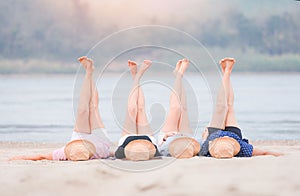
[265, 175]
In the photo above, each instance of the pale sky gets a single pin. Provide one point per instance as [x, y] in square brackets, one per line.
[124, 13]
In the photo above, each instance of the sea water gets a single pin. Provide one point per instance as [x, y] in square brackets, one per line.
[42, 108]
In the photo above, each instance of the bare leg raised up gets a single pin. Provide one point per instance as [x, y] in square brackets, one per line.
[142, 120]
[177, 120]
[95, 118]
[221, 109]
[130, 124]
[172, 122]
[143, 127]
[82, 123]
[184, 123]
[231, 119]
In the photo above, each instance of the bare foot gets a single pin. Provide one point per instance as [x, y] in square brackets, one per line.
[223, 65]
[144, 67]
[184, 65]
[178, 65]
[227, 64]
[133, 67]
[87, 63]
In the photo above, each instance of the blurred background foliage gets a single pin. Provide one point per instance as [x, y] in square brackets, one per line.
[43, 36]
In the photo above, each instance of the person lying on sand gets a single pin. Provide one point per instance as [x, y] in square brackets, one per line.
[175, 138]
[89, 138]
[223, 137]
[137, 142]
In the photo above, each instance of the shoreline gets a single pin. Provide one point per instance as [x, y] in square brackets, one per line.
[62, 74]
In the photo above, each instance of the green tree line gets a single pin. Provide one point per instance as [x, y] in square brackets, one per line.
[32, 30]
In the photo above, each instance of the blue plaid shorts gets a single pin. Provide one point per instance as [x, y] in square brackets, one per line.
[246, 148]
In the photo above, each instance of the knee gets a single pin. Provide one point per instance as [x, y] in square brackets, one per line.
[222, 108]
[141, 106]
[83, 111]
[184, 108]
[175, 108]
[132, 110]
[230, 108]
[141, 103]
[140, 110]
[93, 105]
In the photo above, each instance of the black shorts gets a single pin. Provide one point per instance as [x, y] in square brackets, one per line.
[232, 129]
[120, 154]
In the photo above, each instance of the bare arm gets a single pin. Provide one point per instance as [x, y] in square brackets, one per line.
[259, 152]
[47, 156]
